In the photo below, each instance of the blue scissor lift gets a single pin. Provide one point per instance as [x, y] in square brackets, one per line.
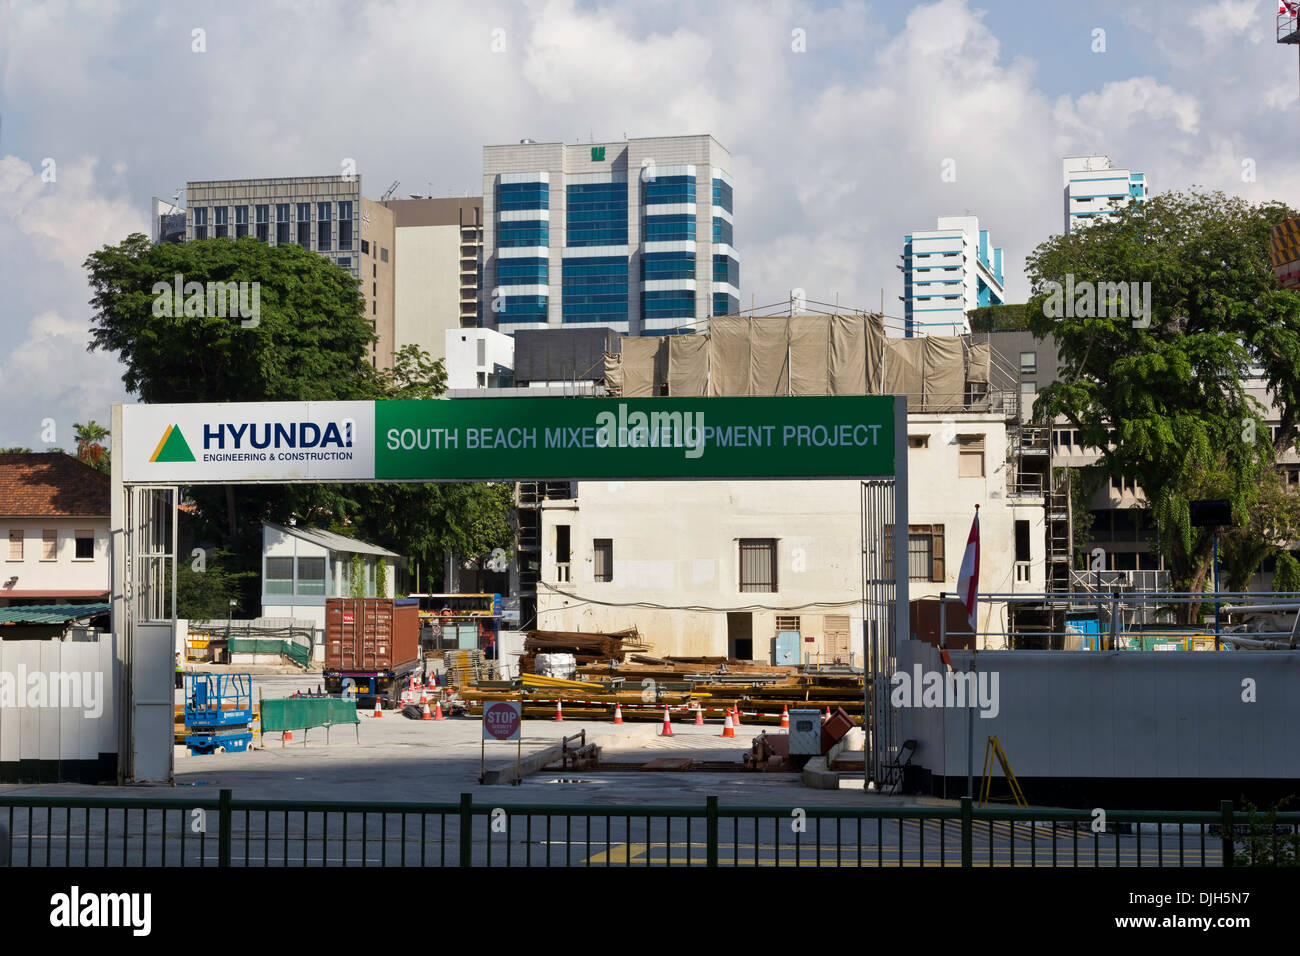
[218, 712]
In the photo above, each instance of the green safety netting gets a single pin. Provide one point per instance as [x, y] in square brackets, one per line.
[298, 653]
[299, 713]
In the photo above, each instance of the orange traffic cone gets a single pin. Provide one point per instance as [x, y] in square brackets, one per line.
[737, 719]
[427, 714]
[699, 715]
[618, 713]
[437, 710]
[785, 717]
[828, 714]
[287, 736]
[728, 728]
[559, 711]
[379, 707]
[668, 725]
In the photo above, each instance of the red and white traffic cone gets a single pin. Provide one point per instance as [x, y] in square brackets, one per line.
[737, 718]
[699, 715]
[379, 707]
[785, 717]
[437, 710]
[559, 711]
[668, 725]
[618, 713]
[827, 715]
[728, 728]
[426, 714]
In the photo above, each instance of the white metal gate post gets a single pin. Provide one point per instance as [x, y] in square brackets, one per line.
[143, 569]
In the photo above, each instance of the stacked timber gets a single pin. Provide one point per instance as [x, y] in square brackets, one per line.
[586, 647]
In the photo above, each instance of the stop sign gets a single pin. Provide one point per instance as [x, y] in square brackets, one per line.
[501, 720]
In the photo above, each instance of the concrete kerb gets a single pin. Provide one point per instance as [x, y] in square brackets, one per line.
[504, 772]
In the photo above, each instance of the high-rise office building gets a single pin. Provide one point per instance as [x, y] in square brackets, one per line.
[325, 214]
[635, 236]
[1093, 187]
[947, 271]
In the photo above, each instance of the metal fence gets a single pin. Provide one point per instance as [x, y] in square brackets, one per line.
[223, 831]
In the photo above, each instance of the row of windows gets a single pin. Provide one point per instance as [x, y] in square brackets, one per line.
[970, 453]
[722, 195]
[669, 189]
[522, 272]
[725, 304]
[512, 196]
[312, 580]
[667, 265]
[83, 546]
[757, 561]
[668, 304]
[530, 232]
[261, 226]
[722, 231]
[726, 269]
[672, 228]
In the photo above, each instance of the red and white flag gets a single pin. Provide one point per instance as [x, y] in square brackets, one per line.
[968, 582]
[1288, 8]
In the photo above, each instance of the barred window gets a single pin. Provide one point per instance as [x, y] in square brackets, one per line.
[758, 564]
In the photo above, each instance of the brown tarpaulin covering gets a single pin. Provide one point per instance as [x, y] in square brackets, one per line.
[904, 365]
[613, 374]
[846, 372]
[644, 365]
[944, 373]
[769, 365]
[977, 363]
[729, 355]
[810, 355]
[688, 365]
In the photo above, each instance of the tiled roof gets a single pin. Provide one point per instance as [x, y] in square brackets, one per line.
[51, 484]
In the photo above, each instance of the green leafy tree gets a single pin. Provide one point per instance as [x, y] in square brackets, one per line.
[357, 577]
[1164, 396]
[1273, 521]
[381, 578]
[90, 445]
[206, 595]
[1286, 574]
[1268, 842]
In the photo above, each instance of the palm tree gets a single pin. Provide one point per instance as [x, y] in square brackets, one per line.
[90, 450]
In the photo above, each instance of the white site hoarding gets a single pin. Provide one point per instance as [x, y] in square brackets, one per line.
[249, 441]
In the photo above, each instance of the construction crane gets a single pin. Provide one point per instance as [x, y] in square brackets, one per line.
[388, 193]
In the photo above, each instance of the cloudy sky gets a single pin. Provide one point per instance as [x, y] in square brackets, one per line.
[838, 149]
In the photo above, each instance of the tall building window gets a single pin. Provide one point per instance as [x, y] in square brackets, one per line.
[200, 222]
[304, 224]
[594, 289]
[15, 545]
[669, 189]
[722, 231]
[241, 221]
[596, 214]
[667, 265]
[676, 227]
[722, 195]
[221, 221]
[603, 551]
[514, 196]
[263, 225]
[925, 558]
[345, 226]
[324, 228]
[282, 223]
[49, 544]
[758, 564]
[1028, 363]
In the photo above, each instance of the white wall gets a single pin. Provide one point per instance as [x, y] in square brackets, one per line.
[426, 289]
[462, 348]
[67, 572]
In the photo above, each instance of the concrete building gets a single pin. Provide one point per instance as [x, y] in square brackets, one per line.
[439, 243]
[301, 567]
[1093, 187]
[636, 236]
[947, 271]
[325, 214]
[770, 556]
[55, 511]
[478, 358]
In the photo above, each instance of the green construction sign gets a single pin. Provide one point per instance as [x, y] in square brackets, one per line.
[585, 438]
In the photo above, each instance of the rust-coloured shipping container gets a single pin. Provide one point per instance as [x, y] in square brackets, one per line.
[371, 645]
